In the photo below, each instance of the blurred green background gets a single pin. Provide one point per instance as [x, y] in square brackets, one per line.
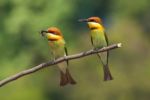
[22, 47]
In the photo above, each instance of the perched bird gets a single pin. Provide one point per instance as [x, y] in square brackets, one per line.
[58, 48]
[99, 40]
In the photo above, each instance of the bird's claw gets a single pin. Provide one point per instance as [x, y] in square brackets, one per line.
[96, 49]
[65, 57]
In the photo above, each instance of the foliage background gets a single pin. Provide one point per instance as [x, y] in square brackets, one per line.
[22, 47]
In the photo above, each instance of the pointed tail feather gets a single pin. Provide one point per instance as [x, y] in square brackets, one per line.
[63, 79]
[70, 79]
[66, 78]
[107, 73]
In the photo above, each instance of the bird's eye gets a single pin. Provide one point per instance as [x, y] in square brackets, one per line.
[52, 32]
[92, 20]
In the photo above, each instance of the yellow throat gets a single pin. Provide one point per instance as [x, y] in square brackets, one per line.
[94, 25]
[53, 36]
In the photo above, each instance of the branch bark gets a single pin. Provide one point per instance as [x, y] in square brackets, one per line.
[61, 59]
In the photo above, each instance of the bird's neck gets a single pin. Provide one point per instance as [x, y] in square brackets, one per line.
[95, 26]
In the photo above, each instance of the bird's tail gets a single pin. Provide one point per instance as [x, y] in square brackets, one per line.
[107, 73]
[66, 78]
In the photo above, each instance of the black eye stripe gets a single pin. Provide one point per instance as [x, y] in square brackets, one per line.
[53, 33]
[93, 28]
[92, 20]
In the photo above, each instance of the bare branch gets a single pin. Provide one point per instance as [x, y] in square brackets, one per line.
[61, 59]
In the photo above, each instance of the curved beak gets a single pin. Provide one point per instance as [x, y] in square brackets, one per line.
[83, 20]
[43, 32]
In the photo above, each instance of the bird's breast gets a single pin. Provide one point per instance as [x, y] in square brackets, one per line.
[57, 47]
[98, 38]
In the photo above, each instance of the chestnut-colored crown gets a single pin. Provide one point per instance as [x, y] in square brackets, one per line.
[54, 30]
[94, 19]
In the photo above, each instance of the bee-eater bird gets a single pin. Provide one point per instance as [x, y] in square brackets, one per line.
[58, 48]
[99, 39]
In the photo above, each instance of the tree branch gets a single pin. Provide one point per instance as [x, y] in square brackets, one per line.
[61, 59]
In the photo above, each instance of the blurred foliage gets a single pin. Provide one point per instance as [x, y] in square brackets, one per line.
[22, 47]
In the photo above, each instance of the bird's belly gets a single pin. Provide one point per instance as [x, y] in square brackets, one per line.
[57, 49]
[99, 40]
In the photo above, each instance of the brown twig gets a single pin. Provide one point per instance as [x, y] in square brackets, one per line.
[61, 59]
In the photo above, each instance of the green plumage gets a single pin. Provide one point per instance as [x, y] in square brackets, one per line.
[99, 40]
[57, 48]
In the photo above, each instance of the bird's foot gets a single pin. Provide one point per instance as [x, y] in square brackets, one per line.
[103, 47]
[53, 59]
[65, 56]
[95, 49]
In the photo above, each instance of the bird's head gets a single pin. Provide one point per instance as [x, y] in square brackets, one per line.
[93, 22]
[52, 33]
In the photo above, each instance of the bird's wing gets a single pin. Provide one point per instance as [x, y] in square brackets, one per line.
[107, 45]
[106, 38]
[66, 53]
[91, 40]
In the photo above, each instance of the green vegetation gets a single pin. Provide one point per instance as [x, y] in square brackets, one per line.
[22, 47]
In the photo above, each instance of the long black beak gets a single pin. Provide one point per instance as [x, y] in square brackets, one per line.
[83, 20]
[43, 32]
